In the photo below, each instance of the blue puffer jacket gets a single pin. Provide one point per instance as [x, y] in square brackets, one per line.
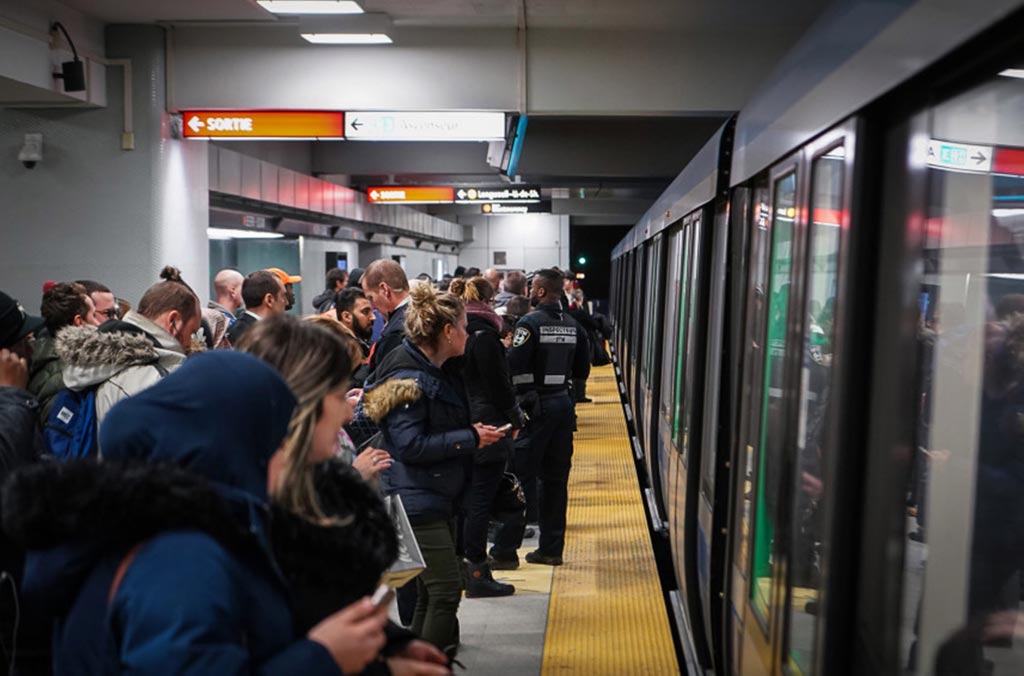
[424, 415]
[179, 503]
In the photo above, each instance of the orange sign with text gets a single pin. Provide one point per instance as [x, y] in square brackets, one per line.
[393, 194]
[264, 124]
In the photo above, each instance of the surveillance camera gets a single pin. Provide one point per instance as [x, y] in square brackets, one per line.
[32, 151]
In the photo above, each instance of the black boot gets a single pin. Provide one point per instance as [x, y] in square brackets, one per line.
[481, 584]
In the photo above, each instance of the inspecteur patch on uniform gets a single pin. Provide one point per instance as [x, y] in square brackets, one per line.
[522, 335]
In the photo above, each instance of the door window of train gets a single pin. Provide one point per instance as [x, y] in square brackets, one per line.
[691, 357]
[681, 343]
[669, 356]
[772, 441]
[964, 546]
[805, 557]
[653, 277]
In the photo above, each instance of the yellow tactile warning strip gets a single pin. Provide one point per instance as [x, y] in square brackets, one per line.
[606, 614]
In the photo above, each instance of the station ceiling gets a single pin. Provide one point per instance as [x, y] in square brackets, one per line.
[605, 166]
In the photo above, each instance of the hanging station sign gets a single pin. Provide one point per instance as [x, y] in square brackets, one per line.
[440, 126]
[393, 194]
[261, 125]
[514, 194]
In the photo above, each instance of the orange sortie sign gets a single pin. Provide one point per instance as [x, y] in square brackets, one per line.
[393, 194]
[263, 124]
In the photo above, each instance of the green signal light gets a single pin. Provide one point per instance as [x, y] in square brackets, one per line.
[582, 260]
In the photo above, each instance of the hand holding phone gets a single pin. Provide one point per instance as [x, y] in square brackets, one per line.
[506, 428]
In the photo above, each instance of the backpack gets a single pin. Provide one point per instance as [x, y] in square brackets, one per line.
[70, 430]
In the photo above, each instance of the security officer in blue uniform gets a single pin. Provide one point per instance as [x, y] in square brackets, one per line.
[548, 351]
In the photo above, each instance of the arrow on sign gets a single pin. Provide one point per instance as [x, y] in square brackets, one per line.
[978, 157]
[374, 195]
[195, 125]
[356, 124]
[462, 194]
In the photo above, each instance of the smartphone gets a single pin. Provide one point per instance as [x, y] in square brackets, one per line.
[383, 596]
[506, 428]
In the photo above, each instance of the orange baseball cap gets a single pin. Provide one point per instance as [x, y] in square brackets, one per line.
[285, 277]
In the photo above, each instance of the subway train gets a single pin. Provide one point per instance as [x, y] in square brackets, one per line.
[819, 340]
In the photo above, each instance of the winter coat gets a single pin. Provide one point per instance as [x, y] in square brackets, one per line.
[20, 445]
[390, 338]
[424, 415]
[122, 358]
[492, 400]
[45, 379]
[178, 512]
[324, 300]
[20, 442]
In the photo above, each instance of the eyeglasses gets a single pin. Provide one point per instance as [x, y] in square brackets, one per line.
[109, 314]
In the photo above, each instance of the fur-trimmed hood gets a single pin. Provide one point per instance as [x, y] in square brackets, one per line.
[91, 356]
[389, 395]
[72, 514]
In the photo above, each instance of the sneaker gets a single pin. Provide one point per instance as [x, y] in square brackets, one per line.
[543, 559]
[481, 584]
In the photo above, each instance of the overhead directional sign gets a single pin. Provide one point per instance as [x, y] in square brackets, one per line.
[500, 209]
[441, 126]
[264, 124]
[392, 194]
[959, 156]
[515, 194]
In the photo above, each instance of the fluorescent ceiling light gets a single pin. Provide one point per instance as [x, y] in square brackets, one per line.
[311, 6]
[347, 38]
[1003, 213]
[228, 233]
[1013, 72]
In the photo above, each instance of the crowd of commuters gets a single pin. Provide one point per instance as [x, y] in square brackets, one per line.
[190, 488]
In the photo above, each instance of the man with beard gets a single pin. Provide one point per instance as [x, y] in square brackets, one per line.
[356, 314]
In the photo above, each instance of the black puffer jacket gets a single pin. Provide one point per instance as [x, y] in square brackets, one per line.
[492, 400]
[20, 442]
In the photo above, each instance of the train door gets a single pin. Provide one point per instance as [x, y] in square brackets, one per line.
[651, 380]
[687, 385]
[946, 475]
[793, 451]
[640, 302]
[664, 448]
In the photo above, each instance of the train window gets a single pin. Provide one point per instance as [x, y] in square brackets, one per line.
[653, 279]
[805, 574]
[669, 355]
[772, 439]
[681, 342]
[691, 356]
[964, 546]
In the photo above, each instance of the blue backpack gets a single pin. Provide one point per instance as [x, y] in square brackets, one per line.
[71, 428]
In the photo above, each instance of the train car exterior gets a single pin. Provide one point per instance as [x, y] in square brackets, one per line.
[817, 332]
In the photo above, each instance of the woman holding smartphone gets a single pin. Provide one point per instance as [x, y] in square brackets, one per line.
[331, 534]
[491, 400]
[417, 397]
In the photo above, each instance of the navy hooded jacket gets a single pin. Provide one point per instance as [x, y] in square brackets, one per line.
[424, 416]
[201, 593]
